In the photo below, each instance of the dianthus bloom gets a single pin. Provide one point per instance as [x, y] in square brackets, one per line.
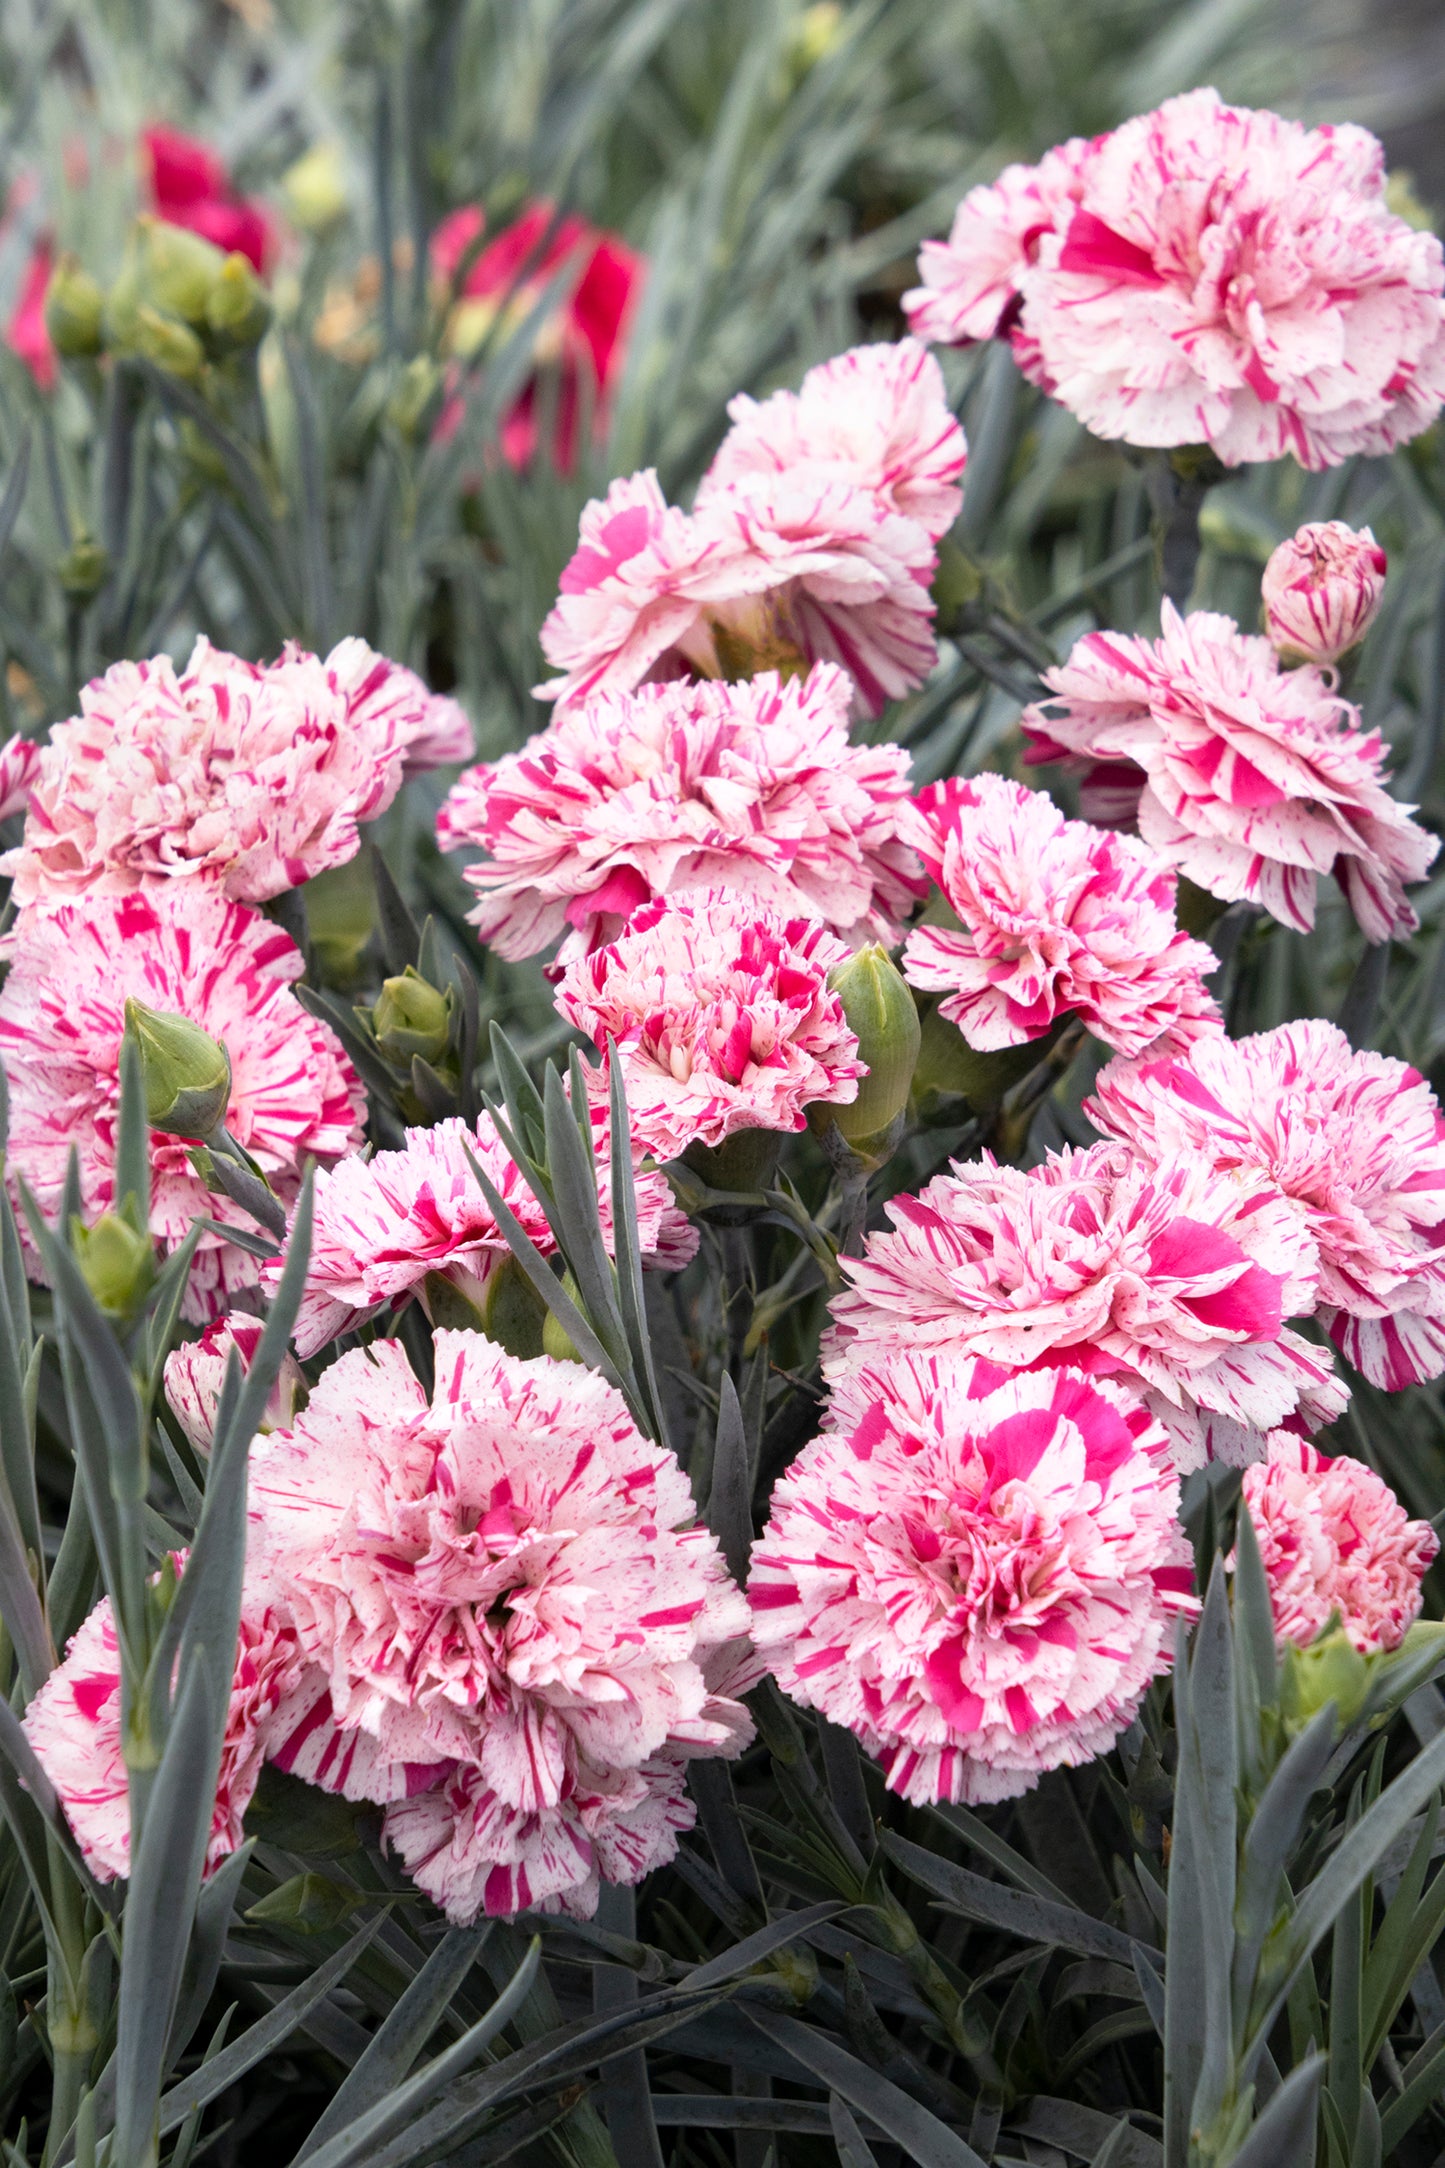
[1354, 1139]
[1321, 591]
[585, 337]
[19, 764]
[977, 1574]
[1333, 1537]
[1208, 274]
[196, 1371]
[252, 777]
[190, 187]
[1254, 780]
[1054, 916]
[511, 1600]
[755, 788]
[74, 1725]
[1171, 1276]
[385, 1225]
[186, 952]
[721, 1017]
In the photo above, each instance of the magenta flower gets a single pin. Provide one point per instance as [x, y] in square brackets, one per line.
[19, 764]
[1254, 780]
[251, 777]
[1334, 1539]
[74, 1725]
[972, 283]
[721, 1016]
[507, 1588]
[755, 788]
[185, 951]
[1053, 916]
[977, 1574]
[1322, 589]
[1357, 1144]
[875, 417]
[385, 1224]
[196, 1370]
[1172, 1277]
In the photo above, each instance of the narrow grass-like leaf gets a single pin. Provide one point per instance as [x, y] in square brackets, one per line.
[1284, 2135]
[1016, 1912]
[1273, 1832]
[132, 1133]
[729, 1504]
[628, 1252]
[396, 928]
[20, 1605]
[925, 2140]
[854, 2150]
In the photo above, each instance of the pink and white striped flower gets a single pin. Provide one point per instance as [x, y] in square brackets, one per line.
[1171, 1276]
[510, 1597]
[183, 950]
[74, 1726]
[721, 1017]
[1254, 780]
[972, 283]
[19, 766]
[1336, 1541]
[196, 1371]
[251, 777]
[977, 1573]
[1355, 1140]
[1321, 590]
[755, 788]
[1053, 916]
[384, 1225]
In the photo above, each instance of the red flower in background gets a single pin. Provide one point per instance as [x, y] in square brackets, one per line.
[585, 337]
[189, 186]
[25, 334]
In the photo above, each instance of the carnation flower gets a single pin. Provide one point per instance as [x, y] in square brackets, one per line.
[26, 331]
[876, 416]
[190, 187]
[196, 1371]
[972, 282]
[252, 777]
[977, 1574]
[1254, 780]
[1321, 591]
[1053, 916]
[721, 1017]
[385, 1224]
[1171, 1276]
[1355, 1140]
[778, 569]
[74, 1725]
[753, 788]
[507, 1585]
[1334, 1538]
[1216, 275]
[19, 762]
[185, 951]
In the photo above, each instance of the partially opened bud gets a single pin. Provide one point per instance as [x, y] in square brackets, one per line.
[412, 1017]
[117, 1263]
[74, 310]
[883, 1017]
[187, 1072]
[238, 307]
[1321, 591]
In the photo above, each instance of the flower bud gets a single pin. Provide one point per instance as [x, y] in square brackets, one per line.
[82, 570]
[175, 270]
[164, 340]
[315, 188]
[238, 307]
[187, 1072]
[1322, 590]
[1330, 1668]
[74, 310]
[412, 1017]
[416, 388]
[883, 1017]
[556, 1340]
[117, 1263]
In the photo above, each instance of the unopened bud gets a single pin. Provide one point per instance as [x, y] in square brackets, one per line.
[556, 1340]
[74, 310]
[82, 570]
[514, 1314]
[315, 188]
[238, 307]
[187, 1072]
[412, 1017]
[1322, 590]
[151, 336]
[416, 388]
[1330, 1668]
[883, 1017]
[176, 271]
[117, 1263]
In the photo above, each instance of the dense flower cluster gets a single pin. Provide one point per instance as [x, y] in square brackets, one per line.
[1354, 1140]
[1253, 779]
[184, 951]
[1321, 590]
[755, 788]
[1336, 1541]
[977, 1573]
[512, 1607]
[1166, 1274]
[1053, 916]
[385, 1225]
[721, 1017]
[74, 1726]
[1205, 274]
[798, 549]
[250, 776]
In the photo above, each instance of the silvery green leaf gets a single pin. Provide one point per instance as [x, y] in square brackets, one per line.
[1284, 2135]
[924, 2139]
